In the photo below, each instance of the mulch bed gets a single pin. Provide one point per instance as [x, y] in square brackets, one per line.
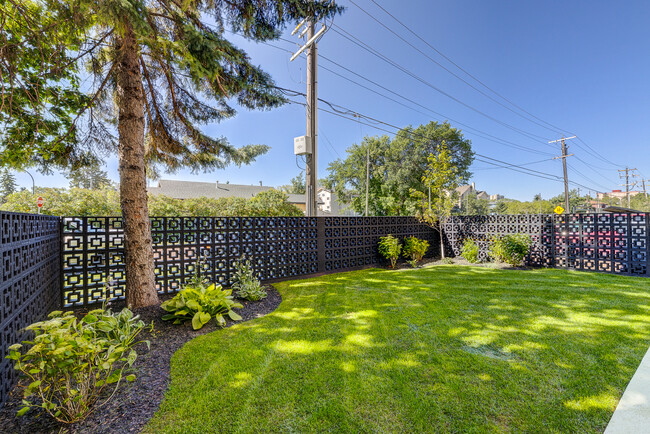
[134, 403]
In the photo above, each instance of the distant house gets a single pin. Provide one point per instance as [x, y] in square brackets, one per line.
[496, 197]
[618, 194]
[470, 189]
[328, 204]
[326, 200]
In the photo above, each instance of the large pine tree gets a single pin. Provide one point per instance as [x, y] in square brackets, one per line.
[158, 70]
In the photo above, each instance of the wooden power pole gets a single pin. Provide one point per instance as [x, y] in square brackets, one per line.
[627, 184]
[311, 177]
[566, 176]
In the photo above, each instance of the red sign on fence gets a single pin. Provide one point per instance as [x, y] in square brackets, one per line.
[39, 202]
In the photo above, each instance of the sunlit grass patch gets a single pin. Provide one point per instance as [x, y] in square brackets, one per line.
[438, 349]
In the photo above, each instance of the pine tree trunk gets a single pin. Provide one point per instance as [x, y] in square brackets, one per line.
[140, 281]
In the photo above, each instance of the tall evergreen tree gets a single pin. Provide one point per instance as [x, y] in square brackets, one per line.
[7, 184]
[91, 177]
[160, 70]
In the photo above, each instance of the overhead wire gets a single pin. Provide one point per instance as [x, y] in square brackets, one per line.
[453, 73]
[346, 113]
[586, 147]
[541, 139]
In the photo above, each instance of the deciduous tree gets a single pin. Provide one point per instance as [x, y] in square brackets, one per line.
[442, 177]
[396, 167]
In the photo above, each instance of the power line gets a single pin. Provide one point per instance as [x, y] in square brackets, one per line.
[448, 70]
[480, 133]
[462, 69]
[483, 158]
[585, 146]
[396, 65]
[589, 149]
[489, 136]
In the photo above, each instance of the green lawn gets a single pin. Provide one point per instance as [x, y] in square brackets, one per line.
[439, 349]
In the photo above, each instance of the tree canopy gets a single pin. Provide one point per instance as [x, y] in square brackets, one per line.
[396, 167]
[106, 202]
[91, 176]
[159, 70]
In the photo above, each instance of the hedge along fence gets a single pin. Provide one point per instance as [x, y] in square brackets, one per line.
[610, 243]
[279, 248]
[30, 288]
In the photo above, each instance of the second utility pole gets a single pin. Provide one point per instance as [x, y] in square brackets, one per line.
[566, 176]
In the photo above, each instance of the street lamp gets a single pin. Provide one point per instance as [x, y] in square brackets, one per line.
[33, 183]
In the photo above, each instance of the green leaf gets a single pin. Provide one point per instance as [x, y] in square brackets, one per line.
[196, 321]
[22, 411]
[130, 359]
[234, 316]
[130, 377]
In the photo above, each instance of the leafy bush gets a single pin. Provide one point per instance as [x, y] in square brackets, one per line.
[390, 248]
[447, 261]
[200, 302]
[469, 250]
[511, 249]
[246, 285]
[71, 362]
[415, 249]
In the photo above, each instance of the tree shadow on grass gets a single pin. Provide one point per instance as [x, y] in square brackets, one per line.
[449, 349]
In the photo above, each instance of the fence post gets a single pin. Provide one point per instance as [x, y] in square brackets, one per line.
[320, 243]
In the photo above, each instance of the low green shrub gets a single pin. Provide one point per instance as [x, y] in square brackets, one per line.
[390, 248]
[511, 249]
[469, 250]
[415, 249]
[447, 261]
[200, 302]
[74, 364]
[245, 284]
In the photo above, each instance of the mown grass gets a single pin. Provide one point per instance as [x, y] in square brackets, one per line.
[440, 349]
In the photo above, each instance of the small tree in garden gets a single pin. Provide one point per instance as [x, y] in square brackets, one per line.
[441, 177]
[390, 248]
[415, 249]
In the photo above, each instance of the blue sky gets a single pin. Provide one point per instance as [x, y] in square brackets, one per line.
[582, 66]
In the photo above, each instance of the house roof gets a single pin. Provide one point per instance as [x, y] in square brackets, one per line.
[213, 190]
[464, 188]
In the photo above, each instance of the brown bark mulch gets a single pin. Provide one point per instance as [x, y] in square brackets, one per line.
[134, 403]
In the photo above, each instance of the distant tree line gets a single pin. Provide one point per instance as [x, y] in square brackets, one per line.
[106, 202]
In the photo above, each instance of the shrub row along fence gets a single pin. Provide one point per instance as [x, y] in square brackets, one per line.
[31, 280]
[279, 248]
[610, 243]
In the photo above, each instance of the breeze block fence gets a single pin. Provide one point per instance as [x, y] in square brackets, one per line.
[53, 262]
[607, 242]
[278, 247]
[30, 288]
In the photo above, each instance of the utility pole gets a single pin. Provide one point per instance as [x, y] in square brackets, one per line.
[627, 184]
[645, 193]
[566, 176]
[312, 123]
[367, 175]
[311, 178]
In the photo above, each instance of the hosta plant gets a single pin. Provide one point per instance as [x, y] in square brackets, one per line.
[75, 365]
[390, 248]
[245, 284]
[415, 249]
[200, 302]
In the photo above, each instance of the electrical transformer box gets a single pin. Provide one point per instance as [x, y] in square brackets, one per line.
[302, 145]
